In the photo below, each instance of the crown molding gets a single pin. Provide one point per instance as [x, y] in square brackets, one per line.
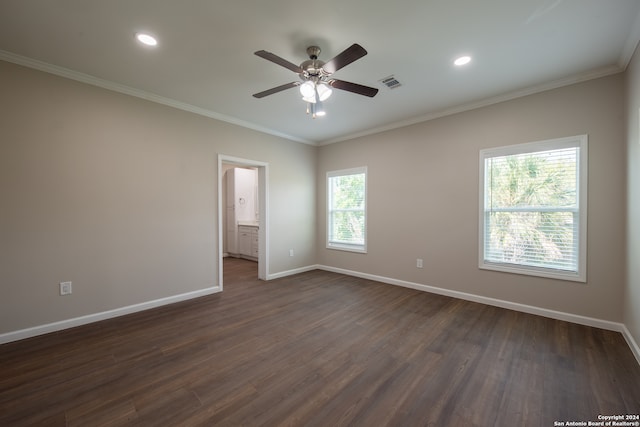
[630, 44]
[148, 96]
[579, 78]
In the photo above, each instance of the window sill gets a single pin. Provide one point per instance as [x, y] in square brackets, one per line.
[534, 271]
[348, 248]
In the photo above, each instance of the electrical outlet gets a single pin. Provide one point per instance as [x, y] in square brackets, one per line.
[419, 263]
[290, 252]
[65, 288]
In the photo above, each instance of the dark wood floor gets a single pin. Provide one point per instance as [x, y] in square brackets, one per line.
[318, 349]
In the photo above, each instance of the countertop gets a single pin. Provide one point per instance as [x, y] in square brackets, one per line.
[249, 223]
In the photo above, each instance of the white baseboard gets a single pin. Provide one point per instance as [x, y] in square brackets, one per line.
[633, 345]
[90, 318]
[292, 272]
[574, 318]
[553, 314]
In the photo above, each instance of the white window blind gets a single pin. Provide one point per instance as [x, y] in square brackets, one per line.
[346, 209]
[533, 213]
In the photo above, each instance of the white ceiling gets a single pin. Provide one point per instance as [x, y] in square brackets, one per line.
[205, 63]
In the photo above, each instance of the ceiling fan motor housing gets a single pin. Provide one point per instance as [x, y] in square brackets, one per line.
[312, 67]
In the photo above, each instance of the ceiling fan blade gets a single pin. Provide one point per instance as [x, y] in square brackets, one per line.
[354, 87]
[350, 54]
[280, 61]
[276, 89]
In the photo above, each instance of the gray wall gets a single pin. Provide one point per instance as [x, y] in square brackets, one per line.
[632, 289]
[119, 196]
[423, 197]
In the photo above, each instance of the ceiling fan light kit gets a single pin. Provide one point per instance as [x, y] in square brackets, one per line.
[317, 84]
[312, 91]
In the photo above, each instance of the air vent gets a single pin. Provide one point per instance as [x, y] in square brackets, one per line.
[391, 82]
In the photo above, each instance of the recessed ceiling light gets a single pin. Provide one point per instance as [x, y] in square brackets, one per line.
[146, 39]
[463, 60]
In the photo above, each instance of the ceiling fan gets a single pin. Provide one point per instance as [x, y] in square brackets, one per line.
[316, 82]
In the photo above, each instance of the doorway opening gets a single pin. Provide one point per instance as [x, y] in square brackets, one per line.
[260, 205]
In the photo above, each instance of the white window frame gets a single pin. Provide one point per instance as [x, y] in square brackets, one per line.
[351, 247]
[580, 141]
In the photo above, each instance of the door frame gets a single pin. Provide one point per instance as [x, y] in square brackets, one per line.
[263, 209]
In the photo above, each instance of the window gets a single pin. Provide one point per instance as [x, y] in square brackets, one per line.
[347, 209]
[533, 208]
